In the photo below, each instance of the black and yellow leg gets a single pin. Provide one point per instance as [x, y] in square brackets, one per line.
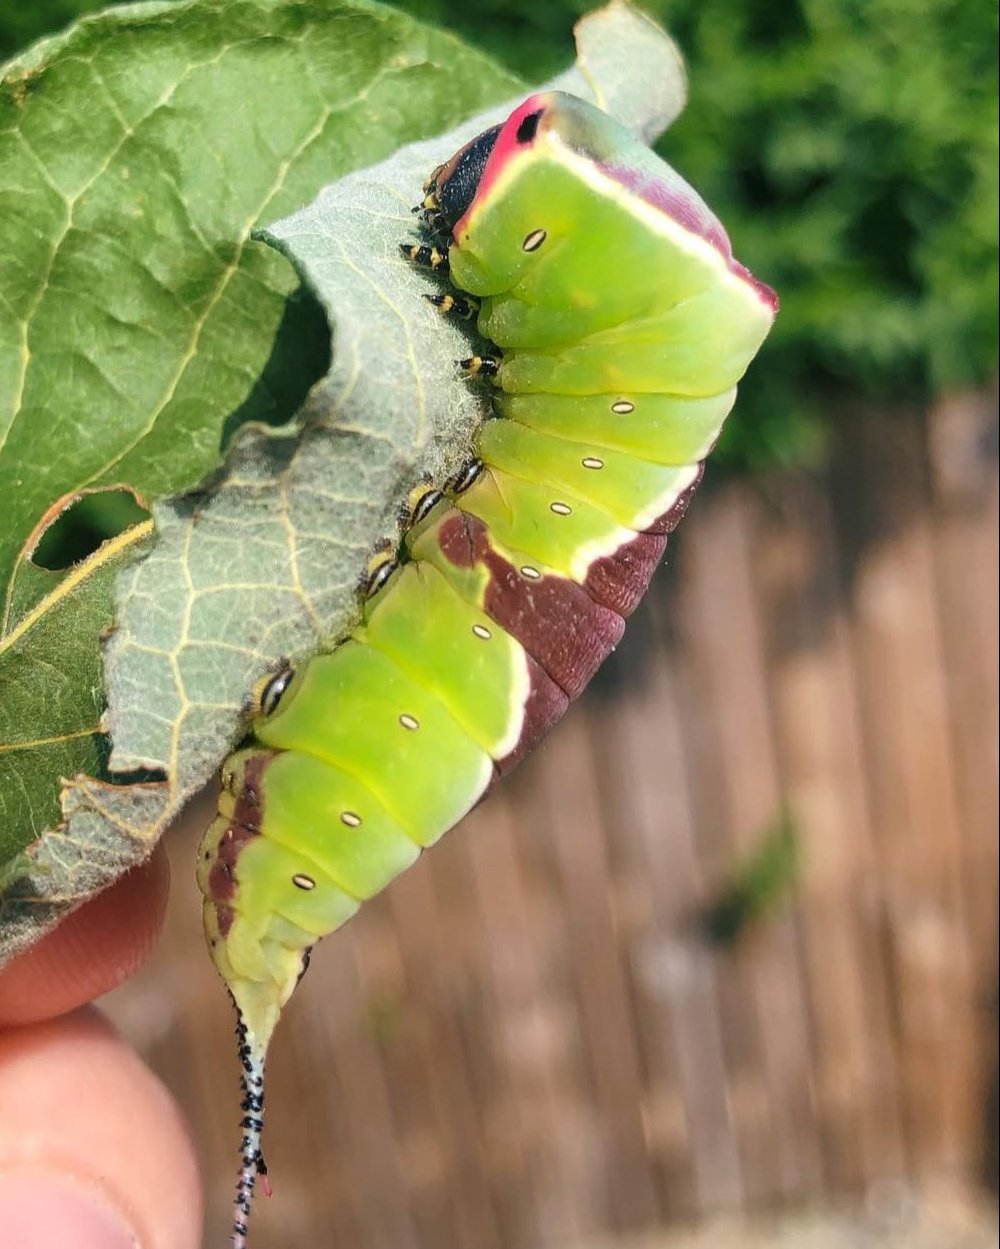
[422, 500]
[435, 222]
[464, 478]
[380, 568]
[454, 305]
[426, 255]
[480, 366]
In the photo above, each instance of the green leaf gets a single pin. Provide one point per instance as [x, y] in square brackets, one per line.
[51, 709]
[266, 561]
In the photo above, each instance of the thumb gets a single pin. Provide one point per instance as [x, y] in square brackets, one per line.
[93, 1151]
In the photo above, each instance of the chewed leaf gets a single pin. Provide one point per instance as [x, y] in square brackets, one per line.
[266, 561]
[631, 67]
[140, 325]
[41, 674]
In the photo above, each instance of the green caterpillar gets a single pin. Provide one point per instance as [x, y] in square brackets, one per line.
[624, 325]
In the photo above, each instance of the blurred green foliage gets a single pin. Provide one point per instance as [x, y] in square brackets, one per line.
[22, 23]
[760, 885]
[850, 146]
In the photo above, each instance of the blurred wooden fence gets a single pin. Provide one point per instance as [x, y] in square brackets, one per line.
[525, 1042]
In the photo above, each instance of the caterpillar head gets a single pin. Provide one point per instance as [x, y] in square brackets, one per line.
[451, 188]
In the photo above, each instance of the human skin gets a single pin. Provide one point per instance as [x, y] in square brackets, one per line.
[94, 1152]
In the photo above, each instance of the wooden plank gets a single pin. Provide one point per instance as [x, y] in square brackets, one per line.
[536, 1036]
[344, 1035]
[821, 751]
[965, 565]
[771, 1075]
[962, 436]
[900, 658]
[704, 742]
[454, 1205]
[644, 789]
[328, 1125]
[572, 813]
[474, 948]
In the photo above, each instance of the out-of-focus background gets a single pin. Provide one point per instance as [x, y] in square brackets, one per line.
[727, 945]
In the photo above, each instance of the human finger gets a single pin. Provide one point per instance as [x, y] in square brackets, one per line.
[92, 950]
[94, 1152]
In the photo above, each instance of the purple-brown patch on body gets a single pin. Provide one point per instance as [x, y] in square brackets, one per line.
[456, 537]
[546, 703]
[242, 827]
[672, 517]
[619, 580]
[557, 622]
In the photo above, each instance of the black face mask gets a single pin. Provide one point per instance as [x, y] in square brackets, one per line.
[458, 188]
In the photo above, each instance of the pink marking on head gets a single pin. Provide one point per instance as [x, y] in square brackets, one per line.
[506, 147]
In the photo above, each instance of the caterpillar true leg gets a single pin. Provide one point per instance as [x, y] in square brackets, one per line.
[480, 366]
[454, 305]
[426, 255]
[464, 478]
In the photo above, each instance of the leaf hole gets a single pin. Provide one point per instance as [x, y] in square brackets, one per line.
[79, 529]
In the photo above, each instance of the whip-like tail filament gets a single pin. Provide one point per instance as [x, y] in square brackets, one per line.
[252, 1162]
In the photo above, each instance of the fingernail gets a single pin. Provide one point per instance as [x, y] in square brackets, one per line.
[40, 1211]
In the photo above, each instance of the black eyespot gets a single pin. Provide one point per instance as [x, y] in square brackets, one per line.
[271, 694]
[528, 128]
[457, 182]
